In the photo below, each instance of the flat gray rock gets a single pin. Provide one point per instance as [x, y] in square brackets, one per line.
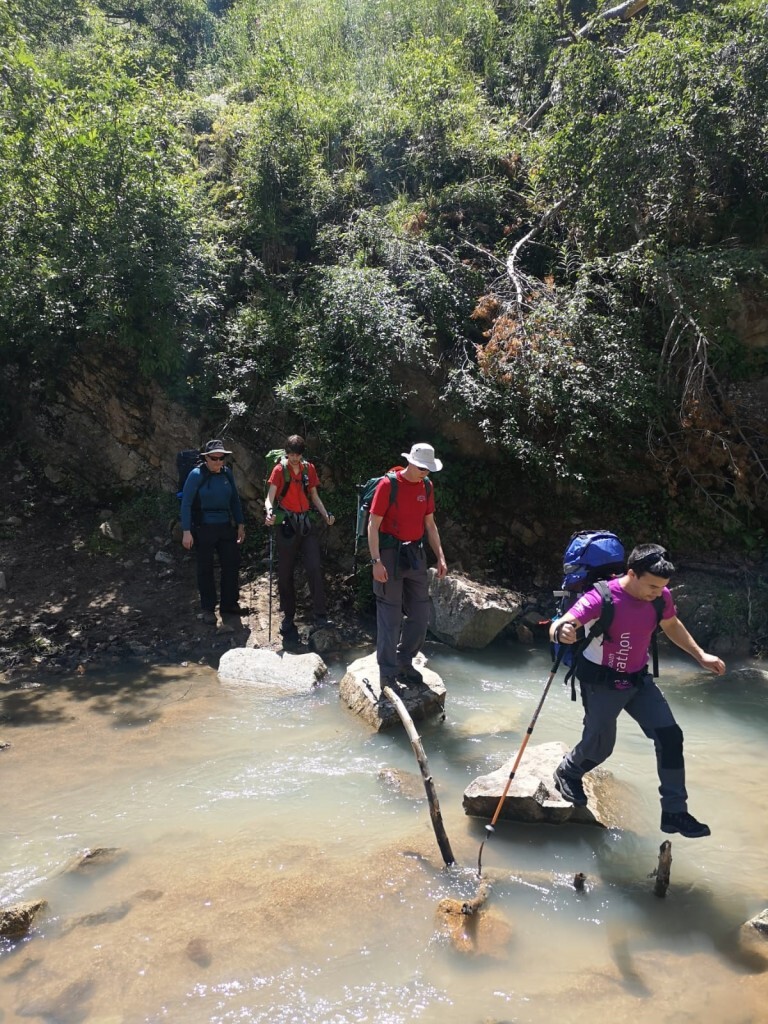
[270, 672]
[532, 796]
[359, 689]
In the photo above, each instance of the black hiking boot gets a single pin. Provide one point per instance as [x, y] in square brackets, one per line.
[685, 824]
[569, 787]
[208, 616]
[409, 676]
[389, 681]
[234, 609]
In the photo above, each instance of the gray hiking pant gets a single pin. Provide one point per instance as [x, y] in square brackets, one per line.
[402, 611]
[648, 706]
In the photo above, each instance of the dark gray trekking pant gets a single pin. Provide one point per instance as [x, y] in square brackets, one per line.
[212, 539]
[290, 546]
[402, 611]
[648, 706]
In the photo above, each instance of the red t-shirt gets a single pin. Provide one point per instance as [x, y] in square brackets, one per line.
[404, 518]
[295, 499]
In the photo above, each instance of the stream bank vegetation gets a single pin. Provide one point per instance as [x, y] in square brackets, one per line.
[554, 211]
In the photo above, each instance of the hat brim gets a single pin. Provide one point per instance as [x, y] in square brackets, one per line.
[433, 467]
[217, 451]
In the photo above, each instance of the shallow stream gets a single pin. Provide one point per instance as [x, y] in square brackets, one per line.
[266, 873]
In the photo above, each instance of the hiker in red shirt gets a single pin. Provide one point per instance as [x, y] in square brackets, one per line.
[292, 490]
[396, 533]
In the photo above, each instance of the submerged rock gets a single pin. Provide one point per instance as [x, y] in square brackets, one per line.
[405, 784]
[360, 691]
[270, 671]
[98, 857]
[759, 923]
[532, 797]
[471, 927]
[469, 614]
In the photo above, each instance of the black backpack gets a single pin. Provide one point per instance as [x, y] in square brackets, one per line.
[186, 461]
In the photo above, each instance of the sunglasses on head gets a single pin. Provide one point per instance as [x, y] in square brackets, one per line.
[652, 559]
[216, 458]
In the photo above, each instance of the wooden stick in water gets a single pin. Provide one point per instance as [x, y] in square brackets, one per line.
[429, 785]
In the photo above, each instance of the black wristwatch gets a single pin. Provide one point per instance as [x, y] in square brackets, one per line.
[374, 561]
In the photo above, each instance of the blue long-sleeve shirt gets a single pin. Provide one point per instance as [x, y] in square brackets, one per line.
[219, 500]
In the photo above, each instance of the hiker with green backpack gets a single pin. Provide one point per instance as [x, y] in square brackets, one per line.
[612, 669]
[291, 492]
[402, 517]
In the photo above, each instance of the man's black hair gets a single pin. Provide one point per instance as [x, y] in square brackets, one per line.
[295, 443]
[650, 558]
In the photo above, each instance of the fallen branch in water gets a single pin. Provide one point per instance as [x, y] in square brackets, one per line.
[429, 785]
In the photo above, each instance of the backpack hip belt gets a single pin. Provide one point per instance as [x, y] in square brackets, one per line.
[602, 675]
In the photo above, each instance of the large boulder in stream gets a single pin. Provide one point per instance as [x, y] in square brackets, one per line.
[469, 614]
[271, 672]
[15, 921]
[360, 691]
[532, 796]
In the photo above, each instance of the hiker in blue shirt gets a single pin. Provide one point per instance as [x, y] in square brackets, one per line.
[212, 522]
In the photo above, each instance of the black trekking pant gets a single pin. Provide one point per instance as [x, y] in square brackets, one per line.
[292, 545]
[220, 539]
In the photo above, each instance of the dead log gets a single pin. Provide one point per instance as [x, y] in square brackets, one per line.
[662, 870]
[429, 785]
[623, 12]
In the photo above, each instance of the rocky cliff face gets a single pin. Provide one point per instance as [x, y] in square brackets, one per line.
[107, 425]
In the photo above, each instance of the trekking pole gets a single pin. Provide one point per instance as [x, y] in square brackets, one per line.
[359, 489]
[271, 552]
[489, 828]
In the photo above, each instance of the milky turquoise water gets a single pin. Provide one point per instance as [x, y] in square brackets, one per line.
[265, 873]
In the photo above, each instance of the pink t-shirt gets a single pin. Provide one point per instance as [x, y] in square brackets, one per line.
[624, 646]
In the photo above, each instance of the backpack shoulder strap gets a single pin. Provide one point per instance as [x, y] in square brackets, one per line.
[392, 477]
[599, 627]
[658, 605]
[604, 620]
[287, 477]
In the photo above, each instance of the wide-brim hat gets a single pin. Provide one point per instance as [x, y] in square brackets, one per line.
[215, 447]
[423, 456]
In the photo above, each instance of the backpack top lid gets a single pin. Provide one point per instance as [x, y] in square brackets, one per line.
[186, 461]
[591, 555]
